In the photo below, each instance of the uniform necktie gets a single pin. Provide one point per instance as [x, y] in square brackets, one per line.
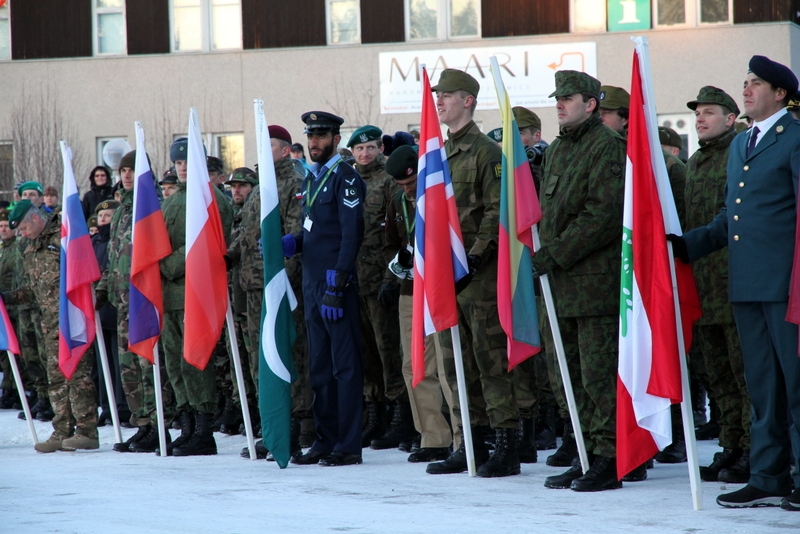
[753, 137]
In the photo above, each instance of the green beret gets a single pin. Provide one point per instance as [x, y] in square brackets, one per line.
[569, 82]
[526, 118]
[91, 221]
[243, 175]
[4, 215]
[457, 80]
[712, 95]
[365, 134]
[614, 97]
[496, 134]
[668, 136]
[106, 205]
[403, 162]
[36, 186]
[18, 213]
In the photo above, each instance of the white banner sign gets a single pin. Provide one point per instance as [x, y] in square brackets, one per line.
[528, 72]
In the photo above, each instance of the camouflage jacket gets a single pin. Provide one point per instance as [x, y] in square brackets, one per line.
[173, 267]
[117, 278]
[238, 296]
[676, 172]
[397, 236]
[9, 255]
[19, 278]
[381, 187]
[244, 250]
[583, 186]
[475, 168]
[706, 175]
[42, 258]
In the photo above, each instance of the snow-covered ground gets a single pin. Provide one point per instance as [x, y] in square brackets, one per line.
[104, 491]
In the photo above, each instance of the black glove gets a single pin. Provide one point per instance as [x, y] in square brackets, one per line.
[405, 258]
[101, 299]
[543, 262]
[389, 294]
[679, 249]
[473, 263]
[332, 307]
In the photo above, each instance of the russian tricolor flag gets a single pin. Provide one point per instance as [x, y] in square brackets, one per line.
[76, 320]
[149, 243]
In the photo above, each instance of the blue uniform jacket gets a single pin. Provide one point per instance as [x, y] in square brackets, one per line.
[758, 220]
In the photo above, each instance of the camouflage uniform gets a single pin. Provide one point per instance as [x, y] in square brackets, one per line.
[581, 233]
[195, 389]
[226, 384]
[74, 401]
[8, 253]
[379, 325]
[716, 340]
[475, 166]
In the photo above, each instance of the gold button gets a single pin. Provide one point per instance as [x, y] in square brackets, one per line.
[736, 238]
[738, 200]
[741, 184]
[735, 217]
[747, 167]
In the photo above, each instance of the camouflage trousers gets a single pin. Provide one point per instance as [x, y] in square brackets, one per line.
[591, 347]
[302, 396]
[221, 359]
[74, 401]
[483, 344]
[719, 351]
[526, 387]
[245, 350]
[194, 389]
[8, 383]
[383, 359]
[34, 356]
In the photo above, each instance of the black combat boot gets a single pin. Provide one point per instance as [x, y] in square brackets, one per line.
[261, 451]
[7, 400]
[722, 460]
[373, 426]
[637, 475]
[698, 396]
[564, 480]
[545, 433]
[401, 428]
[186, 425]
[711, 429]
[565, 454]
[675, 452]
[222, 401]
[504, 460]
[738, 473]
[125, 446]
[231, 418]
[45, 415]
[457, 461]
[526, 441]
[202, 442]
[149, 443]
[602, 475]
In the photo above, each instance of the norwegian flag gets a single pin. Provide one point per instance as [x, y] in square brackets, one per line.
[439, 256]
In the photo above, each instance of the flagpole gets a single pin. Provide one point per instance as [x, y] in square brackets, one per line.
[547, 293]
[463, 401]
[23, 399]
[162, 428]
[237, 364]
[101, 347]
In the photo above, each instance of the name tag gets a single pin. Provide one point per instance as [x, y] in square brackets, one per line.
[307, 224]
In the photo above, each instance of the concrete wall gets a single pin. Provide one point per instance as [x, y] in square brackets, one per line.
[104, 96]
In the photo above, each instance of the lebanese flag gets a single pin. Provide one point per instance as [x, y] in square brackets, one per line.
[206, 299]
[649, 378]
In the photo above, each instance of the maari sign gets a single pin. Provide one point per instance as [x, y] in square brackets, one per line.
[528, 72]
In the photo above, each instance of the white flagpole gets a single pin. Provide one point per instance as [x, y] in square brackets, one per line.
[463, 401]
[670, 214]
[237, 364]
[23, 399]
[162, 428]
[101, 347]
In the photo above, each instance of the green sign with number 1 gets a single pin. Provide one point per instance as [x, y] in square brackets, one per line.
[628, 15]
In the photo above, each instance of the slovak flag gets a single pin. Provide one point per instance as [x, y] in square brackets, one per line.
[149, 243]
[78, 269]
[8, 339]
[439, 256]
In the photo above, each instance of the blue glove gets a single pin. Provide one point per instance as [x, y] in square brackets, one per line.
[332, 308]
[289, 245]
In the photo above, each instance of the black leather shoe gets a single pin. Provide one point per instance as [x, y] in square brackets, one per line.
[310, 458]
[637, 475]
[792, 502]
[337, 458]
[674, 453]
[602, 475]
[738, 473]
[429, 454]
[261, 451]
[722, 460]
[750, 497]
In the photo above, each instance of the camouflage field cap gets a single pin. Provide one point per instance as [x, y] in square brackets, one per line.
[4, 215]
[403, 162]
[496, 135]
[365, 134]
[18, 213]
[106, 205]
[526, 118]
[36, 186]
[713, 95]
[243, 175]
[569, 82]
[614, 97]
[214, 164]
[457, 80]
[668, 136]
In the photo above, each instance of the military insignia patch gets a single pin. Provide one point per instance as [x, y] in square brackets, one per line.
[351, 203]
[779, 129]
[602, 95]
[313, 116]
[498, 170]
[350, 192]
[616, 169]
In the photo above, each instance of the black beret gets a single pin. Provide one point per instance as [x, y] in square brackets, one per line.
[773, 72]
[402, 163]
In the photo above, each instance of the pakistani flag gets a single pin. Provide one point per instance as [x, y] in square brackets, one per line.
[276, 368]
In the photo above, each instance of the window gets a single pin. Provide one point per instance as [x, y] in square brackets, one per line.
[229, 147]
[6, 168]
[683, 123]
[109, 27]
[5, 32]
[110, 150]
[693, 12]
[344, 21]
[205, 25]
[442, 19]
